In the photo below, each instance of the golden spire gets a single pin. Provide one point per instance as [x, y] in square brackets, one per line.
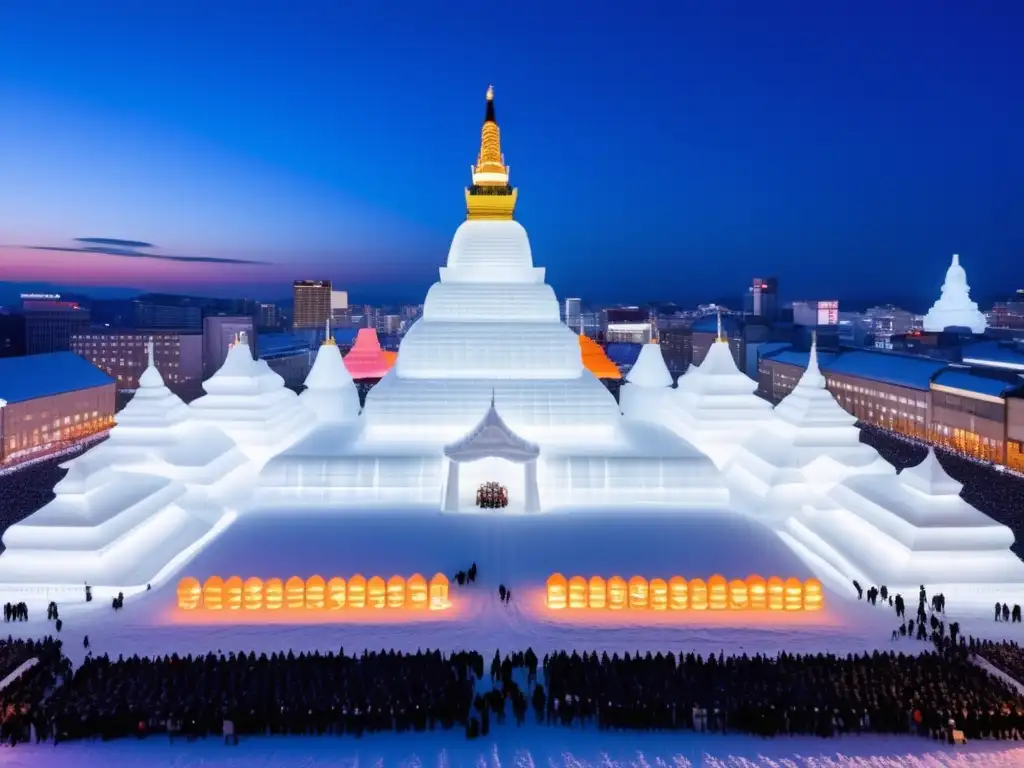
[328, 336]
[490, 196]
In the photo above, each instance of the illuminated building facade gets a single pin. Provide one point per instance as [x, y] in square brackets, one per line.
[219, 334]
[49, 403]
[312, 303]
[815, 313]
[123, 355]
[628, 325]
[763, 299]
[50, 323]
[972, 411]
[677, 347]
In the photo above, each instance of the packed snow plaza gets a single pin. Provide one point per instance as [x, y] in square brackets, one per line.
[490, 439]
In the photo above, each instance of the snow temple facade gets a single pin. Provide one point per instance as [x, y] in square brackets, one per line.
[251, 404]
[330, 393]
[491, 390]
[714, 406]
[596, 360]
[132, 507]
[491, 326]
[809, 446]
[906, 530]
[644, 396]
[366, 360]
[954, 308]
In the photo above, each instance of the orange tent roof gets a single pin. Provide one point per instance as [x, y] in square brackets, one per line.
[596, 361]
[366, 360]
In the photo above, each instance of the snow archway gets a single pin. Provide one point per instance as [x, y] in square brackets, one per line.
[492, 439]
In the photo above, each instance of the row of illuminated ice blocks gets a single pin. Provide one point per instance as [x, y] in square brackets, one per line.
[314, 593]
[677, 594]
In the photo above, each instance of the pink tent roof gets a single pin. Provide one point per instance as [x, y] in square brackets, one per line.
[366, 360]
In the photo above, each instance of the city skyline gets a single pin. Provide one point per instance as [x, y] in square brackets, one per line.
[653, 159]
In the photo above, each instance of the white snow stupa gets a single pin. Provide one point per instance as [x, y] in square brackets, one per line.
[644, 395]
[715, 407]
[250, 402]
[810, 445]
[954, 309]
[159, 487]
[492, 325]
[330, 393]
[912, 529]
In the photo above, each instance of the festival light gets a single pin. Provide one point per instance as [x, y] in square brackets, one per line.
[317, 594]
[678, 594]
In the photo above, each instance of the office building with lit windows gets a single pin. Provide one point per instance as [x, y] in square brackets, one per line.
[178, 356]
[50, 323]
[51, 403]
[974, 411]
[762, 299]
[312, 303]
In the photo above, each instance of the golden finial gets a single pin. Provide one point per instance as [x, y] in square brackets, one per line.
[491, 196]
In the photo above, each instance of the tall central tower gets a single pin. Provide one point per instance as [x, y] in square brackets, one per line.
[490, 196]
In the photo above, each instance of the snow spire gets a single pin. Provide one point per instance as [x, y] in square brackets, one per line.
[812, 360]
[492, 397]
[328, 338]
[956, 259]
[720, 338]
[151, 378]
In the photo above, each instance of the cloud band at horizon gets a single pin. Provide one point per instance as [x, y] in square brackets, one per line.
[314, 593]
[717, 594]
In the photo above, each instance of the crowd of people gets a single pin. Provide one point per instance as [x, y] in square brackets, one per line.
[819, 694]
[22, 698]
[246, 694]
[27, 489]
[492, 496]
[227, 696]
[1006, 656]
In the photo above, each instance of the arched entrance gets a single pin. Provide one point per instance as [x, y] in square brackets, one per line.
[491, 440]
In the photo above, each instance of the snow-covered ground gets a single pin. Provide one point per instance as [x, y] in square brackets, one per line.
[519, 551]
[529, 747]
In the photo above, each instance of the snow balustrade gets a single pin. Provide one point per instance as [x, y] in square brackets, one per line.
[314, 593]
[678, 594]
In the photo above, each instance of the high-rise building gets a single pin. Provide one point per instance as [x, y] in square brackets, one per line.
[763, 298]
[630, 325]
[269, 317]
[574, 314]
[312, 303]
[815, 313]
[50, 323]
[219, 333]
[677, 348]
[168, 312]
[124, 355]
[12, 334]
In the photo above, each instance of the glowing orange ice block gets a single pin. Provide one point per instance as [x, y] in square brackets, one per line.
[318, 594]
[753, 593]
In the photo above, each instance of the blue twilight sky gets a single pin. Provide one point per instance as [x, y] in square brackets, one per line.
[663, 150]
